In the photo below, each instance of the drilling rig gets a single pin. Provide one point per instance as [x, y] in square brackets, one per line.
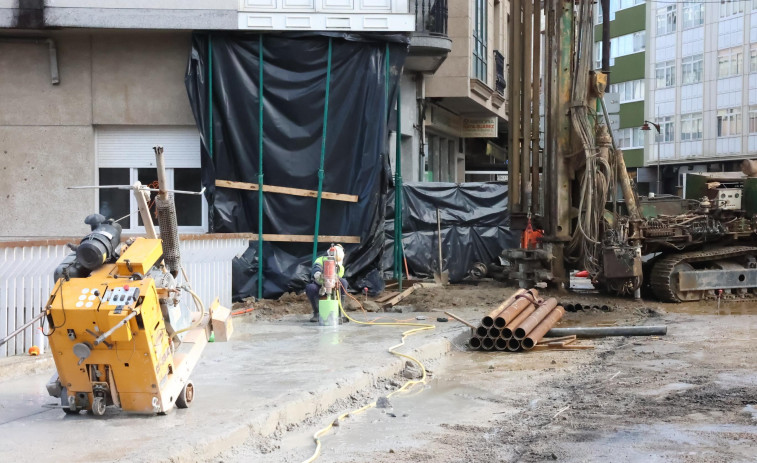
[575, 186]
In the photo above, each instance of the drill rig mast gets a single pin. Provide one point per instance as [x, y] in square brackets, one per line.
[682, 249]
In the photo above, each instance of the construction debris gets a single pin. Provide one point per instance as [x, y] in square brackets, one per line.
[519, 323]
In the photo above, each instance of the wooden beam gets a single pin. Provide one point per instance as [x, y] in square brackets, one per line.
[396, 299]
[286, 191]
[303, 238]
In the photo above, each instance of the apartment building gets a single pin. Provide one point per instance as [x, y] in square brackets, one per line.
[87, 88]
[701, 90]
[459, 112]
[628, 79]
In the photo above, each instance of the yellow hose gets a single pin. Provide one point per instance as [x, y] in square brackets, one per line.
[420, 327]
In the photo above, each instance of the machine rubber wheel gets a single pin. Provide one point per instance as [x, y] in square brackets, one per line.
[98, 406]
[186, 396]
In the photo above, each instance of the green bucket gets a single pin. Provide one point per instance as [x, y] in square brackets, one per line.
[328, 312]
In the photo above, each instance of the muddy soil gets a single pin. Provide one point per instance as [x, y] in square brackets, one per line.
[690, 396]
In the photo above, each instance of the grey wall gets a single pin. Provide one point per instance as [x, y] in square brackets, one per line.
[47, 131]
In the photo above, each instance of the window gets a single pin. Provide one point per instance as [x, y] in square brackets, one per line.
[620, 46]
[753, 119]
[124, 156]
[691, 126]
[665, 74]
[633, 90]
[630, 138]
[616, 5]
[753, 58]
[667, 129]
[730, 62]
[693, 15]
[692, 69]
[480, 53]
[729, 122]
[666, 20]
[731, 7]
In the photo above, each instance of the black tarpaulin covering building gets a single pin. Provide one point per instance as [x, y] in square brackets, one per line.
[224, 97]
[475, 227]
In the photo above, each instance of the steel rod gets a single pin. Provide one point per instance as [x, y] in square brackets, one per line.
[22, 328]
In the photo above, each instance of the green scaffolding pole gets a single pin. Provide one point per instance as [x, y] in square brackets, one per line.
[260, 168]
[323, 155]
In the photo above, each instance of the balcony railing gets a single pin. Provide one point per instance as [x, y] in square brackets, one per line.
[499, 61]
[430, 16]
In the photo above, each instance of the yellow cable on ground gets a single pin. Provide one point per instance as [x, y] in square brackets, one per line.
[420, 327]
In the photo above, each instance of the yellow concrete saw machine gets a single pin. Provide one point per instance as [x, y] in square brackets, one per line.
[124, 325]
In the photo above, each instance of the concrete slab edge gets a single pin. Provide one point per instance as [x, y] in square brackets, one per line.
[299, 409]
[23, 365]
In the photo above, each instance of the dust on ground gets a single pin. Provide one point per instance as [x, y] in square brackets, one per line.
[690, 396]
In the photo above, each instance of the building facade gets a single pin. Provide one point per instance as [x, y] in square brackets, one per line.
[86, 90]
[455, 111]
[702, 63]
[628, 79]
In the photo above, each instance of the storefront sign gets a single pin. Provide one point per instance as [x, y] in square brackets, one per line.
[480, 127]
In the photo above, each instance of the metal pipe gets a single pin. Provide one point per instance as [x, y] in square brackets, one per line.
[603, 331]
[578, 307]
[494, 332]
[516, 308]
[475, 342]
[604, 308]
[541, 329]
[606, 38]
[595, 307]
[625, 186]
[22, 328]
[487, 343]
[513, 345]
[507, 332]
[533, 320]
[570, 307]
[536, 94]
[500, 344]
[514, 105]
[526, 112]
[482, 331]
[488, 320]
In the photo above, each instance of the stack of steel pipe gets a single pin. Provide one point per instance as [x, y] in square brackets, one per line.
[519, 323]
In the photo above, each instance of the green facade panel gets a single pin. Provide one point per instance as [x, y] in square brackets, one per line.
[631, 114]
[628, 67]
[634, 158]
[626, 21]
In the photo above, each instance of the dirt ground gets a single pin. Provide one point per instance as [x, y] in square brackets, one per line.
[690, 396]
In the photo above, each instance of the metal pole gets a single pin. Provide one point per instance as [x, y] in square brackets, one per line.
[657, 116]
[210, 95]
[583, 332]
[22, 328]
[398, 194]
[323, 155]
[260, 169]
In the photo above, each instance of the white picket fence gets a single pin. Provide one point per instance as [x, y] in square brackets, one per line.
[26, 278]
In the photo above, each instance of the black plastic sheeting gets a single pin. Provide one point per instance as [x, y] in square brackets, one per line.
[474, 227]
[294, 87]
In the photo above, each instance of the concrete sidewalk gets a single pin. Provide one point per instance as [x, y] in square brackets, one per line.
[270, 377]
